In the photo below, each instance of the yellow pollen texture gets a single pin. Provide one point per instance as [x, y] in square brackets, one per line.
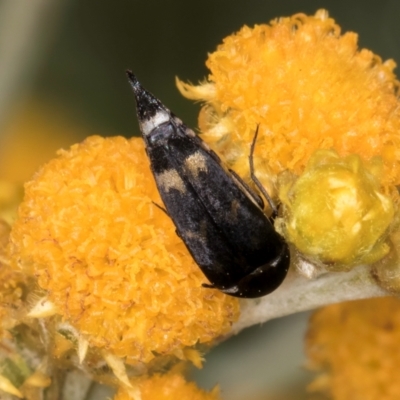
[354, 348]
[335, 213]
[308, 87]
[109, 259]
[170, 386]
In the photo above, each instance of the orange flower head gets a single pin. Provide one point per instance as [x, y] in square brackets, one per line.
[13, 285]
[307, 87]
[169, 386]
[354, 347]
[109, 259]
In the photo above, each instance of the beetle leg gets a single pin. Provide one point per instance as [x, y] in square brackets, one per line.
[161, 208]
[257, 198]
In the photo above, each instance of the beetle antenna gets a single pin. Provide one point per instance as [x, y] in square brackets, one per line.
[257, 181]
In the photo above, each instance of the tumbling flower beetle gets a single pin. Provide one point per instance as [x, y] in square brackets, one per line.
[215, 213]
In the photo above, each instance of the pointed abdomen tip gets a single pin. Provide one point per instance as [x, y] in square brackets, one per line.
[131, 77]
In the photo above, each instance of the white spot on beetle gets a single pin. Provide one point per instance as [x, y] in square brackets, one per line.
[170, 179]
[190, 133]
[147, 126]
[195, 163]
[191, 235]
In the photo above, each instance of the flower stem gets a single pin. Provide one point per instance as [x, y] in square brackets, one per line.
[298, 293]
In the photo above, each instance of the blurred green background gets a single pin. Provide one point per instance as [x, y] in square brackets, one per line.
[62, 78]
[97, 40]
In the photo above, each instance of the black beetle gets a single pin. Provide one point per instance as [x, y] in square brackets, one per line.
[218, 217]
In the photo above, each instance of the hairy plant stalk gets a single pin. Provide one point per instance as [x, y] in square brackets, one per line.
[298, 293]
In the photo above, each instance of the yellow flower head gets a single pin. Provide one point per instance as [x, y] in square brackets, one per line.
[12, 287]
[109, 258]
[335, 212]
[354, 346]
[170, 386]
[307, 87]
